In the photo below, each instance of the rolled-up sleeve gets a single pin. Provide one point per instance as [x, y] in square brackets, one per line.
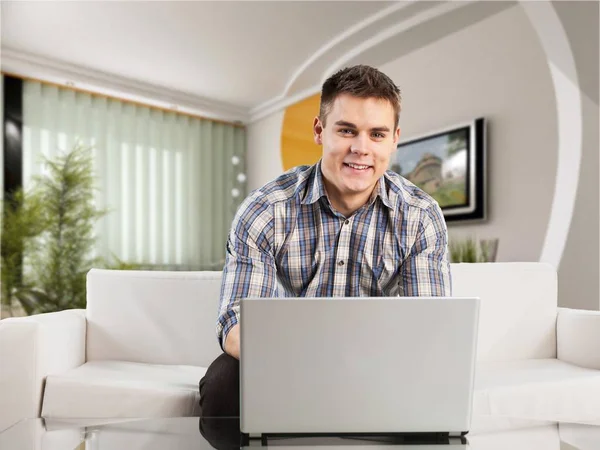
[249, 263]
[426, 269]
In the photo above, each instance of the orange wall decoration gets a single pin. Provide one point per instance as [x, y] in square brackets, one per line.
[297, 144]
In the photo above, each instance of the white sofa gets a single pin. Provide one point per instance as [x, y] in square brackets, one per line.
[146, 339]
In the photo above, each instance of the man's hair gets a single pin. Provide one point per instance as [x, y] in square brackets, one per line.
[359, 81]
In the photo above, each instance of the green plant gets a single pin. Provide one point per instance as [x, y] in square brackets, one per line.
[64, 251]
[22, 221]
[471, 251]
[119, 264]
[48, 241]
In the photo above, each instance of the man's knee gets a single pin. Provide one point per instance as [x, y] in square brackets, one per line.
[220, 388]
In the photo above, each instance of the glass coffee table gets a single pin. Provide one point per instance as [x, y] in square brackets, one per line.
[223, 433]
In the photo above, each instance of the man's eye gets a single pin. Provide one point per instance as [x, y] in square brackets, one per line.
[378, 135]
[346, 131]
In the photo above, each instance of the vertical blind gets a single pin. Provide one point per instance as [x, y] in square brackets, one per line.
[172, 183]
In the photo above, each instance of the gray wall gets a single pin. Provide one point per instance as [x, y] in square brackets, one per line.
[485, 71]
[578, 275]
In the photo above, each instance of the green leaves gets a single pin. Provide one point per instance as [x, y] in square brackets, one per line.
[22, 221]
[472, 251]
[49, 232]
[66, 245]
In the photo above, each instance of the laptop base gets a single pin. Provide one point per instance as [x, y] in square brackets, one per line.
[421, 438]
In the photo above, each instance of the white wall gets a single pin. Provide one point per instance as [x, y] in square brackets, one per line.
[264, 150]
[479, 71]
[486, 71]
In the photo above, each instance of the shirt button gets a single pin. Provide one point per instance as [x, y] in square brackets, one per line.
[346, 222]
[340, 263]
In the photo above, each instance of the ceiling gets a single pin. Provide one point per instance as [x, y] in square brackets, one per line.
[230, 60]
[209, 49]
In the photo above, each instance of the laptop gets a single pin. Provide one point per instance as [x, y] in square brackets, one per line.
[364, 366]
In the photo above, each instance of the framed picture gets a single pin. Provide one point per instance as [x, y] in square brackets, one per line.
[450, 165]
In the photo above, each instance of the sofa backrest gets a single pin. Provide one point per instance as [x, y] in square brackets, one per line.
[517, 317]
[170, 317]
[152, 316]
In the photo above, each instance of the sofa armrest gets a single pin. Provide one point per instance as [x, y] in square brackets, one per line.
[578, 337]
[31, 348]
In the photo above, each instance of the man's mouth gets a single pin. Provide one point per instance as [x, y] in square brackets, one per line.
[357, 166]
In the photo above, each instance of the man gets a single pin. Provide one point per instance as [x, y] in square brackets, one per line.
[345, 226]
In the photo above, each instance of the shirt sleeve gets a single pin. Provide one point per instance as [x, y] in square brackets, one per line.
[249, 262]
[426, 270]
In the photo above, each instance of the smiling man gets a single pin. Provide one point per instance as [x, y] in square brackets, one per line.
[346, 226]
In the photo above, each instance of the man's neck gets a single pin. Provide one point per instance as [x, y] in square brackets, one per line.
[346, 204]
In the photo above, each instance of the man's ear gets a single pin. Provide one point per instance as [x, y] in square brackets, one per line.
[318, 131]
[396, 136]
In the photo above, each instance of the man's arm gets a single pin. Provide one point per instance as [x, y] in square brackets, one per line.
[249, 268]
[232, 343]
[426, 270]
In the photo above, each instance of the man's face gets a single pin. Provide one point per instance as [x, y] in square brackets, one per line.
[358, 140]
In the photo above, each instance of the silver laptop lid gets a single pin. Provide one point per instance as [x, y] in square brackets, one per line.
[357, 365]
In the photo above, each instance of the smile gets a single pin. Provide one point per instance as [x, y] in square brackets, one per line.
[357, 166]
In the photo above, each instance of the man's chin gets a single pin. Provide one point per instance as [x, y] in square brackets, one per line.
[357, 189]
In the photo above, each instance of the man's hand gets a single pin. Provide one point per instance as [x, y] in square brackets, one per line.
[232, 342]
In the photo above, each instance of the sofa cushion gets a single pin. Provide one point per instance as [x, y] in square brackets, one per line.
[545, 389]
[535, 436]
[580, 436]
[115, 389]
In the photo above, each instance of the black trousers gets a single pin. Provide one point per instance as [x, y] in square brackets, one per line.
[220, 388]
[220, 399]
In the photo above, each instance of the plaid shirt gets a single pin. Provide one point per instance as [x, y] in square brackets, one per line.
[287, 240]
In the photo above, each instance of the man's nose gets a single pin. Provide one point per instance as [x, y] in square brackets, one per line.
[360, 144]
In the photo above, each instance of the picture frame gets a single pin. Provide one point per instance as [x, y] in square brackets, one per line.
[450, 165]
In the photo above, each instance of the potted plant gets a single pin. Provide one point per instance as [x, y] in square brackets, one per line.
[471, 250]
